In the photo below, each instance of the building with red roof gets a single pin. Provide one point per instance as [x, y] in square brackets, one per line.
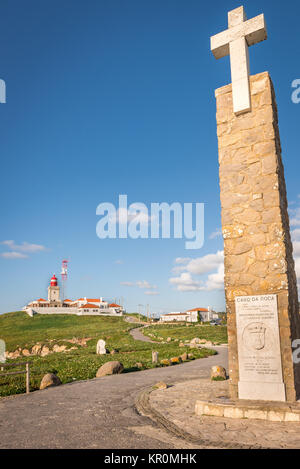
[81, 306]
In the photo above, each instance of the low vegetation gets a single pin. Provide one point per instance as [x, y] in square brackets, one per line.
[19, 330]
[160, 332]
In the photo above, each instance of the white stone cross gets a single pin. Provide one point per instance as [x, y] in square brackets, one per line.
[241, 34]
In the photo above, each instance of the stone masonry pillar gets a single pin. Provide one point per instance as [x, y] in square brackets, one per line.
[255, 223]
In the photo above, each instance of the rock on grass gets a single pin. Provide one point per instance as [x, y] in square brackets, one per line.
[217, 373]
[110, 368]
[49, 380]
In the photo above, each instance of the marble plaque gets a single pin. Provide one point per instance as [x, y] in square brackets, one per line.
[260, 370]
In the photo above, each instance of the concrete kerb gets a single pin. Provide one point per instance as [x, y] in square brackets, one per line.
[143, 407]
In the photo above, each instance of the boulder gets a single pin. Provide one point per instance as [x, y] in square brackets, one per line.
[139, 365]
[110, 368]
[49, 380]
[184, 357]
[114, 351]
[175, 360]
[45, 351]
[218, 373]
[59, 348]
[208, 343]
[16, 353]
[194, 341]
[169, 339]
[79, 341]
[160, 385]
[165, 362]
[25, 352]
[36, 349]
[181, 344]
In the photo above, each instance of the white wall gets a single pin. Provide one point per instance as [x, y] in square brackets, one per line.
[193, 316]
[167, 318]
[78, 311]
[190, 317]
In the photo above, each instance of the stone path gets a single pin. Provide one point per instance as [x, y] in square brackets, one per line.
[138, 335]
[176, 405]
[98, 413]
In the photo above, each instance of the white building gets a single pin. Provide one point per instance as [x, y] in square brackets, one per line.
[204, 314]
[179, 317]
[81, 306]
[191, 315]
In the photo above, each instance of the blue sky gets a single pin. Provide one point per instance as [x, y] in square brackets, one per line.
[117, 97]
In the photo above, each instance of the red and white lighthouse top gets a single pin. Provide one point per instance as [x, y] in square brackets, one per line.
[53, 281]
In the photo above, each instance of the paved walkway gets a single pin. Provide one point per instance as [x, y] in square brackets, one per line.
[137, 334]
[98, 413]
[175, 407]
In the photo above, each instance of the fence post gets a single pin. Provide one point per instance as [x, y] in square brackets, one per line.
[27, 378]
[154, 357]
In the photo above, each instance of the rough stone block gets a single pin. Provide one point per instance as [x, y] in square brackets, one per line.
[233, 412]
[255, 414]
[291, 417]
[255, 224]
[276, 416]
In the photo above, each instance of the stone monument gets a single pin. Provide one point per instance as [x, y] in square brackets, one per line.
[260, 281]
[101, 348]
[2, 351]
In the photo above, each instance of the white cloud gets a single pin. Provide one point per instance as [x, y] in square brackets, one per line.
[151, 293]
[295, 234]
[294, 216]
[215, 281]
[20, 251]
[24, 247]
[124, 216]
[215, 234]
[199, 266]
[297, 269]
[213, 264]
[182, 260]
[296, 248]
[145, 284]
[13, 255]
[185, 282]
[118, 261]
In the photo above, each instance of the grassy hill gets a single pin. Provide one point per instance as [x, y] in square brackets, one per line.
[19, 330]
[215, 334]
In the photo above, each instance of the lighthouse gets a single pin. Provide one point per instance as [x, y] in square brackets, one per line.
[53, 290]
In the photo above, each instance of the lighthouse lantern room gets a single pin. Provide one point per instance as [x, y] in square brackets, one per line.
[53, 290]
